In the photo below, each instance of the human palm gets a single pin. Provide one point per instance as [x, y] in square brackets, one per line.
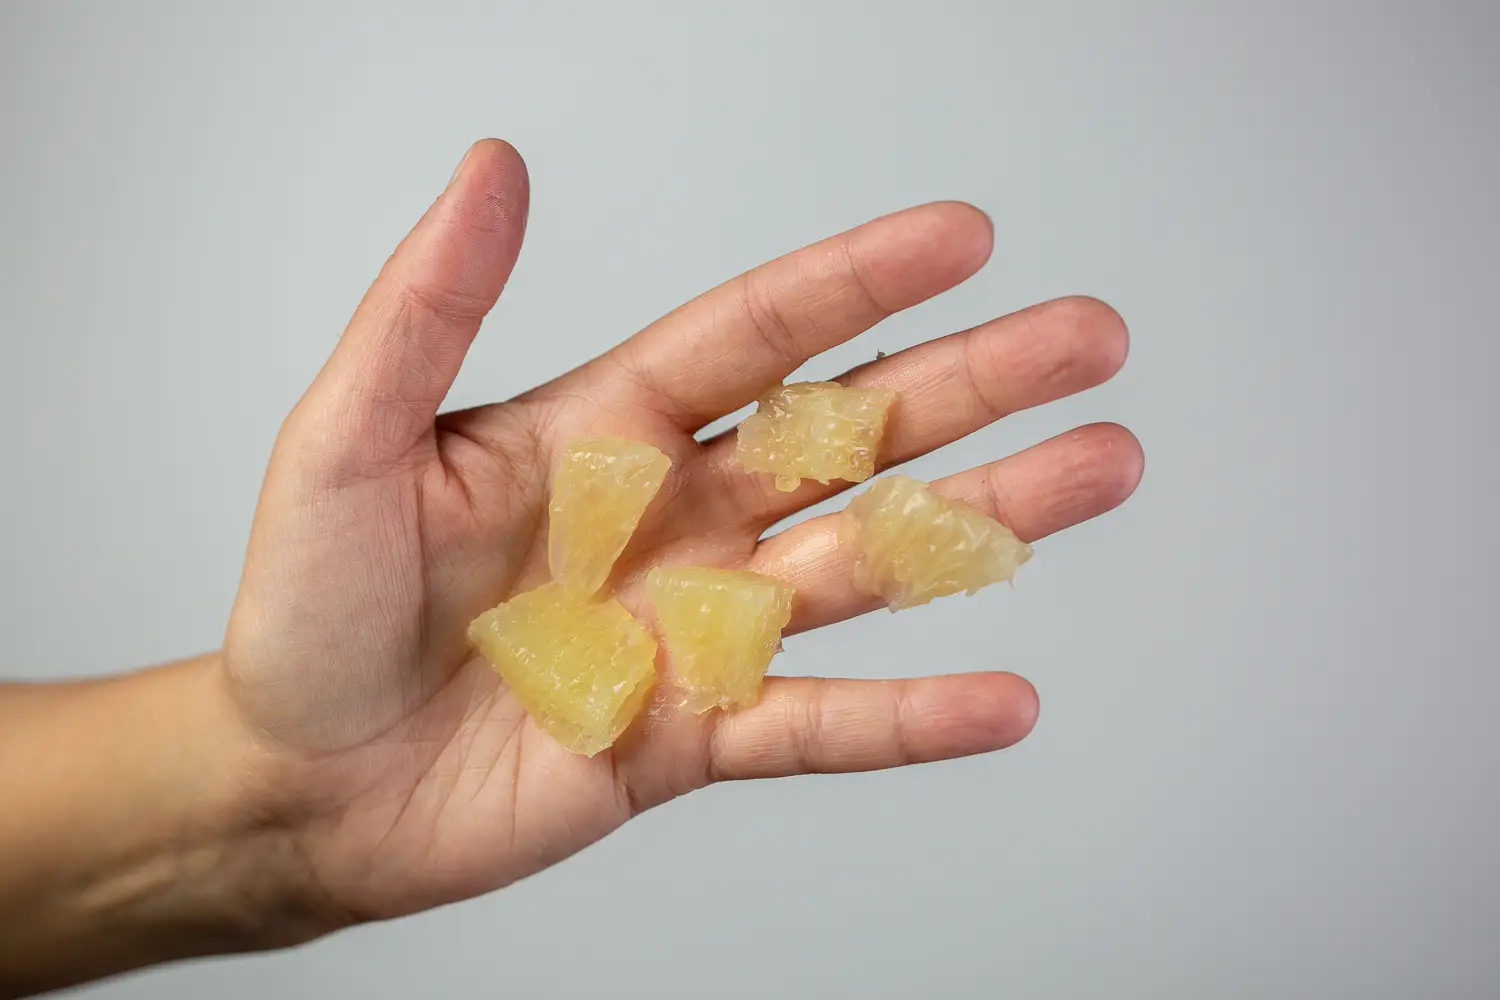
[383, 528]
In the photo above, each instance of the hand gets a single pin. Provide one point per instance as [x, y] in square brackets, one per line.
[409, 773]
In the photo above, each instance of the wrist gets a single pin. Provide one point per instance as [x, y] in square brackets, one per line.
[148, 816]
[235, 870]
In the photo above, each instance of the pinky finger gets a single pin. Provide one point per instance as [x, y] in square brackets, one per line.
[808, 725]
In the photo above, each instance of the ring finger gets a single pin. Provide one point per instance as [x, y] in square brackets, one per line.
[1036, 492]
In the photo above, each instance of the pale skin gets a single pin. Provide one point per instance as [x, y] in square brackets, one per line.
[346, 757]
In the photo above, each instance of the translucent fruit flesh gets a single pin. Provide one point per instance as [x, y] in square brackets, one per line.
[721, 628]
[815, 430]
[911, 545]
[601, 487]
[581, 668]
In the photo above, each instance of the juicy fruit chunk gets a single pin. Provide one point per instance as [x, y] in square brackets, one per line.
[815, 430]
[601, 487]
[721, 627]
[912, 545]
[582, 669]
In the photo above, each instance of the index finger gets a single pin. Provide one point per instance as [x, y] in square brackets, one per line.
[724, 348]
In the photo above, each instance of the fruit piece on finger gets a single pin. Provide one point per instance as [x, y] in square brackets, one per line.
[815, 430]
[721, 628]
[911, 545]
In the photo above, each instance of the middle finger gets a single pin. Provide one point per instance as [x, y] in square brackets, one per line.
[947, 388]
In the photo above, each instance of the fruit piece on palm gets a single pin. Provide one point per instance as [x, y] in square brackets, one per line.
[721, 627]
[815, 430]
[601, 487]
[911, 545]
[582, 668]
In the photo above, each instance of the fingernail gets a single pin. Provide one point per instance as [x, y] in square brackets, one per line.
[460, 168]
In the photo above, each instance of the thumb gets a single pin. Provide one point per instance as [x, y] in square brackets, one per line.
[376, 397]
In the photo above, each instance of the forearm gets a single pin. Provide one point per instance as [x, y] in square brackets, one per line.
[134, 829]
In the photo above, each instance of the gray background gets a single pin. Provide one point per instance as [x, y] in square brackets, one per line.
[1266, 764]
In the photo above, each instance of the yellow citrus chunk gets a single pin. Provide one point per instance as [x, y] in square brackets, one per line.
[911, 545]
[581, 668]
[814, 430]
[721, 627]
[600, 489]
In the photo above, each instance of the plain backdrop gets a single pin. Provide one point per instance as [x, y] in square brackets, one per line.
[1267, 762]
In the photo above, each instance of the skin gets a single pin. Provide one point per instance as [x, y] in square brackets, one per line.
[346, 757]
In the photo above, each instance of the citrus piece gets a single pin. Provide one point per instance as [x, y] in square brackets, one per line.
[911, 545]
[582, 669]
[814, 430]
[600, 489]
[721, 627]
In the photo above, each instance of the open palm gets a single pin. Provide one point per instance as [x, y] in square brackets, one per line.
[384, 528]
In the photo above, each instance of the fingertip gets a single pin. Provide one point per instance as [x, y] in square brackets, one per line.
[910, 256]
[492, 177]
[1078, 475]
[1006, 707]
[1120, 459]
[964, 214]
[968, 230]
[459, 256]
[1101, 337]
[495, 154]
[1026, 706]
[958, 715]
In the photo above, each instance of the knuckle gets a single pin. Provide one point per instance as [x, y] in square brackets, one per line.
[767, 318]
